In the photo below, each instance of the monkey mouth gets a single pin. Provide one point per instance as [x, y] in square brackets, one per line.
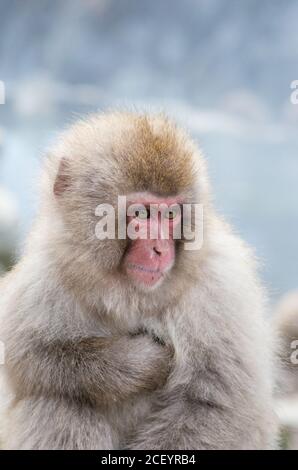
[139, 267]
[144, 275]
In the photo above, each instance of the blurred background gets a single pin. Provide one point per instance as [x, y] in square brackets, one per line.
[222, 68]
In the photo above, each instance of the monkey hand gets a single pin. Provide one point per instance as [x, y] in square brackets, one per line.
[131, 364]
[149, 360]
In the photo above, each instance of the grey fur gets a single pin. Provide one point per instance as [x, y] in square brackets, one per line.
[83, 367]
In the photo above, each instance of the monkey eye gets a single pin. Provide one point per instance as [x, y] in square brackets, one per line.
[171, 214]
[142, 213]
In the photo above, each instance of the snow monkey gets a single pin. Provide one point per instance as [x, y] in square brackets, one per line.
[122, 343]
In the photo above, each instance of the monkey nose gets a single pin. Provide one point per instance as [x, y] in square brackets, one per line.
[160, 247]
[157, 251]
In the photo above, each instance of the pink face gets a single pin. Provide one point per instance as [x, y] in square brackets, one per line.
[152, 254]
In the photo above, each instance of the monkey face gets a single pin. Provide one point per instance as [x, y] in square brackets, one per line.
[150, 162]
[152, 222]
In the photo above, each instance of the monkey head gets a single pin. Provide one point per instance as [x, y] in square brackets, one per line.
[157, 169]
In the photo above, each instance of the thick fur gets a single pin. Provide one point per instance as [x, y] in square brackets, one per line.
[94, 362]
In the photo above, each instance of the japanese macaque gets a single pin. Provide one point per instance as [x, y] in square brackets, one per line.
[133, 343]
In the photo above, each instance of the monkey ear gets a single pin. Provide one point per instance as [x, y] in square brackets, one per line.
[62, 181]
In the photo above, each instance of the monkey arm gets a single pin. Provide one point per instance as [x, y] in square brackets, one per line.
[101, 370]
[217, 395]
[193, 411]
[207, 410]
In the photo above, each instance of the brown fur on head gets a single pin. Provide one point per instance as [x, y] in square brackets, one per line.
[109, 155]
